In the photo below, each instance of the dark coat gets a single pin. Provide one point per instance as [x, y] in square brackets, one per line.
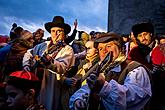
[13, 59]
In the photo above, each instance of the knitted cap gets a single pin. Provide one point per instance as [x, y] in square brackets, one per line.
[26, 34]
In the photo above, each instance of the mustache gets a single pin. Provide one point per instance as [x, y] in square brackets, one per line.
[144, 40]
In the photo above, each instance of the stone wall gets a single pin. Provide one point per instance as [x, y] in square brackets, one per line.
[122, 14]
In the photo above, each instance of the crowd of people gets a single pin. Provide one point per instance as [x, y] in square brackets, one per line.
[97, 71]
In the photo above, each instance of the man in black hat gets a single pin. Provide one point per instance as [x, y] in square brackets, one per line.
[52, 58]
[114, 83]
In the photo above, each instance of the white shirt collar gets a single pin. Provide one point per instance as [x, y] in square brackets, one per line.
[117, 68]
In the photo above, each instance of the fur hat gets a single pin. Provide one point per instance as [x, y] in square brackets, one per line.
[142, 27]
[58, 21]
[107, 37]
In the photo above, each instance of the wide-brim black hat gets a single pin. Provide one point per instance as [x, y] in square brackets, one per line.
[142, 27]
[107, 37]
[58, 21]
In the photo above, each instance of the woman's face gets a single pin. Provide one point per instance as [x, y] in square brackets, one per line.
[91, 51]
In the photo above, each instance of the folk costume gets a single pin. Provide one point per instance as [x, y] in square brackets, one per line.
[127, 85]
[53, 92]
